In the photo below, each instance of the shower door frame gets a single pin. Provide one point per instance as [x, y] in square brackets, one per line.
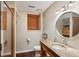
[13, 49]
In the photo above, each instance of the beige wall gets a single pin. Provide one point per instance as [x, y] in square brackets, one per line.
[22, 34]
[50, 18]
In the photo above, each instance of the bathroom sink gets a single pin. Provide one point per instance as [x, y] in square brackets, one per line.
[58, 46]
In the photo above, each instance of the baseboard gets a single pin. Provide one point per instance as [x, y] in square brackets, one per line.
[24, 51]
[17, 52]
[6, 54]
[26, 54]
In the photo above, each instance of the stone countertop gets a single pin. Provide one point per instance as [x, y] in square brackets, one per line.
[63, 52]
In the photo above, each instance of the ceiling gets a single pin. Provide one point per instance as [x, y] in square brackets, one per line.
[10, 3]
[36, 7]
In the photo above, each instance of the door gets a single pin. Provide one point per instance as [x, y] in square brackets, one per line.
[7, 30]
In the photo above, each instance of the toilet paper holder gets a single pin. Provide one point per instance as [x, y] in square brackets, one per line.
[28, 40]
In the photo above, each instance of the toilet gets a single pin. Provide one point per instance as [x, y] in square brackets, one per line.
[37, 51]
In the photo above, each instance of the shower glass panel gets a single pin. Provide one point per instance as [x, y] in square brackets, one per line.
[6, 30]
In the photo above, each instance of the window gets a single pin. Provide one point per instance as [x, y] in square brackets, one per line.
[4, 20]
[33, 22]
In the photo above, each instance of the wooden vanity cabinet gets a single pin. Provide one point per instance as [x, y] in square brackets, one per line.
[45, 50]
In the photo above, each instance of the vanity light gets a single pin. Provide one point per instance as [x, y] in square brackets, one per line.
[71, 3]
[57, 12]
[64, 8]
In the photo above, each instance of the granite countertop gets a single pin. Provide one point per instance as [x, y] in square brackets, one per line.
[63, 52]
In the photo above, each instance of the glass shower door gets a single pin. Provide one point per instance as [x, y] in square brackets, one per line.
[7, 30]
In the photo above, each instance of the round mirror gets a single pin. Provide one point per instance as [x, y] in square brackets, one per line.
[68, 24]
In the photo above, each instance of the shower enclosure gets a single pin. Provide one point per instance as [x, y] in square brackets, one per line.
[7, 30]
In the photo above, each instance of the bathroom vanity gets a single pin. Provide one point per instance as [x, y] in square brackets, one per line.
[55, 49]
[46, 51]
[67, 30]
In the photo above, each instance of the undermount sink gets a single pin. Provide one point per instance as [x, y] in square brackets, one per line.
[58, 46]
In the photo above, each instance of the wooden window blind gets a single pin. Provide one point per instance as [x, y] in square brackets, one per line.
[33, 22]
[4, 20]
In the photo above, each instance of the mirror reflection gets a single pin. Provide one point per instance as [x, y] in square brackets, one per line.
[68, 24]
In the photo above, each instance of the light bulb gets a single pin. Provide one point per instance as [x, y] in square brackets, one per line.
[57, 12]
[62, 9]
[70, 4]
